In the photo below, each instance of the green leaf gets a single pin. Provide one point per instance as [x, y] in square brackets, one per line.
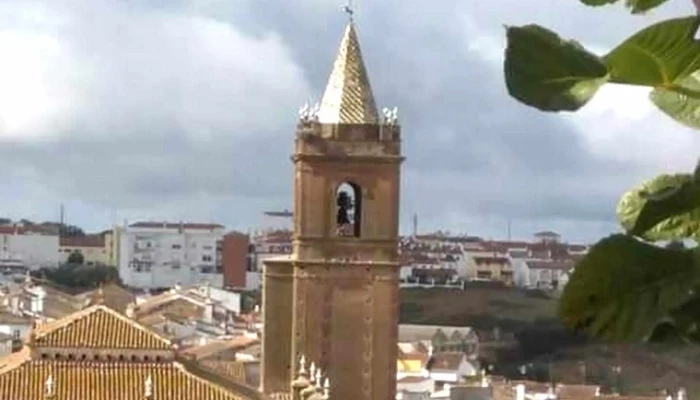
[623, 288]
[682, 101]
[551, 74]
[636, 6]
[658, 56]
[664, 208]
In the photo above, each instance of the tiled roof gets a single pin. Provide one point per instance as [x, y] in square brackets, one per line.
[82, 241]
[446, 361]
[348, 98]
[9, 318]
[231, 369]
[98, 381]
[21, 230]
[413, 379]
[99, 327]
[439, 272]
[112, 295]
[216, 346]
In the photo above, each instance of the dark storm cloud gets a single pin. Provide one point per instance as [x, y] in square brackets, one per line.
[192, 100]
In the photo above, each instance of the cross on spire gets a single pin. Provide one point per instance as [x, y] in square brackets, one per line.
[348, 8]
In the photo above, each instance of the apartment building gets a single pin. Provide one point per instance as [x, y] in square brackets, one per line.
[29, 245]
[154, 255]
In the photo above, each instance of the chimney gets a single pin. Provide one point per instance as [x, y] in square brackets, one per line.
[520, 392]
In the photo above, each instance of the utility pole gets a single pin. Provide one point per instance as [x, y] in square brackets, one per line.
[415, 224]
[62, 215]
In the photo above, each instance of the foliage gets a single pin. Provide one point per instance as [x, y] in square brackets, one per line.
[76, 258]
[547, 72]
[77, 276]
[627, 287]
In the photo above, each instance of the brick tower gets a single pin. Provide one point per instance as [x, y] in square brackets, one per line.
[335, 299]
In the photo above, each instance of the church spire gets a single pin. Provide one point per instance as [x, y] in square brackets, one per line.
[348, 98]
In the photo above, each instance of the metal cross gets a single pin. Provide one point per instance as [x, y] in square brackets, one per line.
[349, 9]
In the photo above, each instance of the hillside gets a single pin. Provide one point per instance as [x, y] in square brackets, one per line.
[480, 306]
[542, 342]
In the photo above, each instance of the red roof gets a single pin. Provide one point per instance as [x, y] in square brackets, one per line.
[21, 230]
[491, 260]
[176, 225]
[83, 241]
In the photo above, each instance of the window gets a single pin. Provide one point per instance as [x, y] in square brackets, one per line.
[206, 257]
[207, 247]
[349, 206]
[177, 246]
[16, 334]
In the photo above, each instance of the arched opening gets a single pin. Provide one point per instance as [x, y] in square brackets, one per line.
[348, 199]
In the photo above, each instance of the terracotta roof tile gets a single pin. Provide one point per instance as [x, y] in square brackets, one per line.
[97, 381]
[82, 241]
[116, 331]
[448, 361]
[216, 346]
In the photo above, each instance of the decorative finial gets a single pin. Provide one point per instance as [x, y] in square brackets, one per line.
[319, 378]
[49, 385]
[148, 387]
[391, 116]
[326, 389]
[99, 297]
[349, 10]
[130, 310]
[312, 373]
[302, 365]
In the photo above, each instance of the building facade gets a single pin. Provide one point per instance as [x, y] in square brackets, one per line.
[334, 301]
[92, 247]
[234, 258]
[154, 255]
[31, 246]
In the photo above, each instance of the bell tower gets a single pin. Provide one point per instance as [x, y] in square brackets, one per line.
[335, 300]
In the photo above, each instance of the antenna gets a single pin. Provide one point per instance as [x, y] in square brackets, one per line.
[62, 215]
[508, 232]
[415, 224]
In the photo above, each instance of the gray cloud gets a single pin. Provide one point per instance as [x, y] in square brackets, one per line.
[186, 110]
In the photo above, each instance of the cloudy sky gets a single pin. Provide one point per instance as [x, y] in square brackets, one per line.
[185, 110]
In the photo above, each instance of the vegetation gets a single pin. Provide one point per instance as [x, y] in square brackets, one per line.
[629, 287]
[483, 308]
[76, 258]
[79, 277]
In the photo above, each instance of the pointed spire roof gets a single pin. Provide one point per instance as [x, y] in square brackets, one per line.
[348, 98]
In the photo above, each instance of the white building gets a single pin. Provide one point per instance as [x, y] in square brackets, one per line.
[32, 247]
[162, 255]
